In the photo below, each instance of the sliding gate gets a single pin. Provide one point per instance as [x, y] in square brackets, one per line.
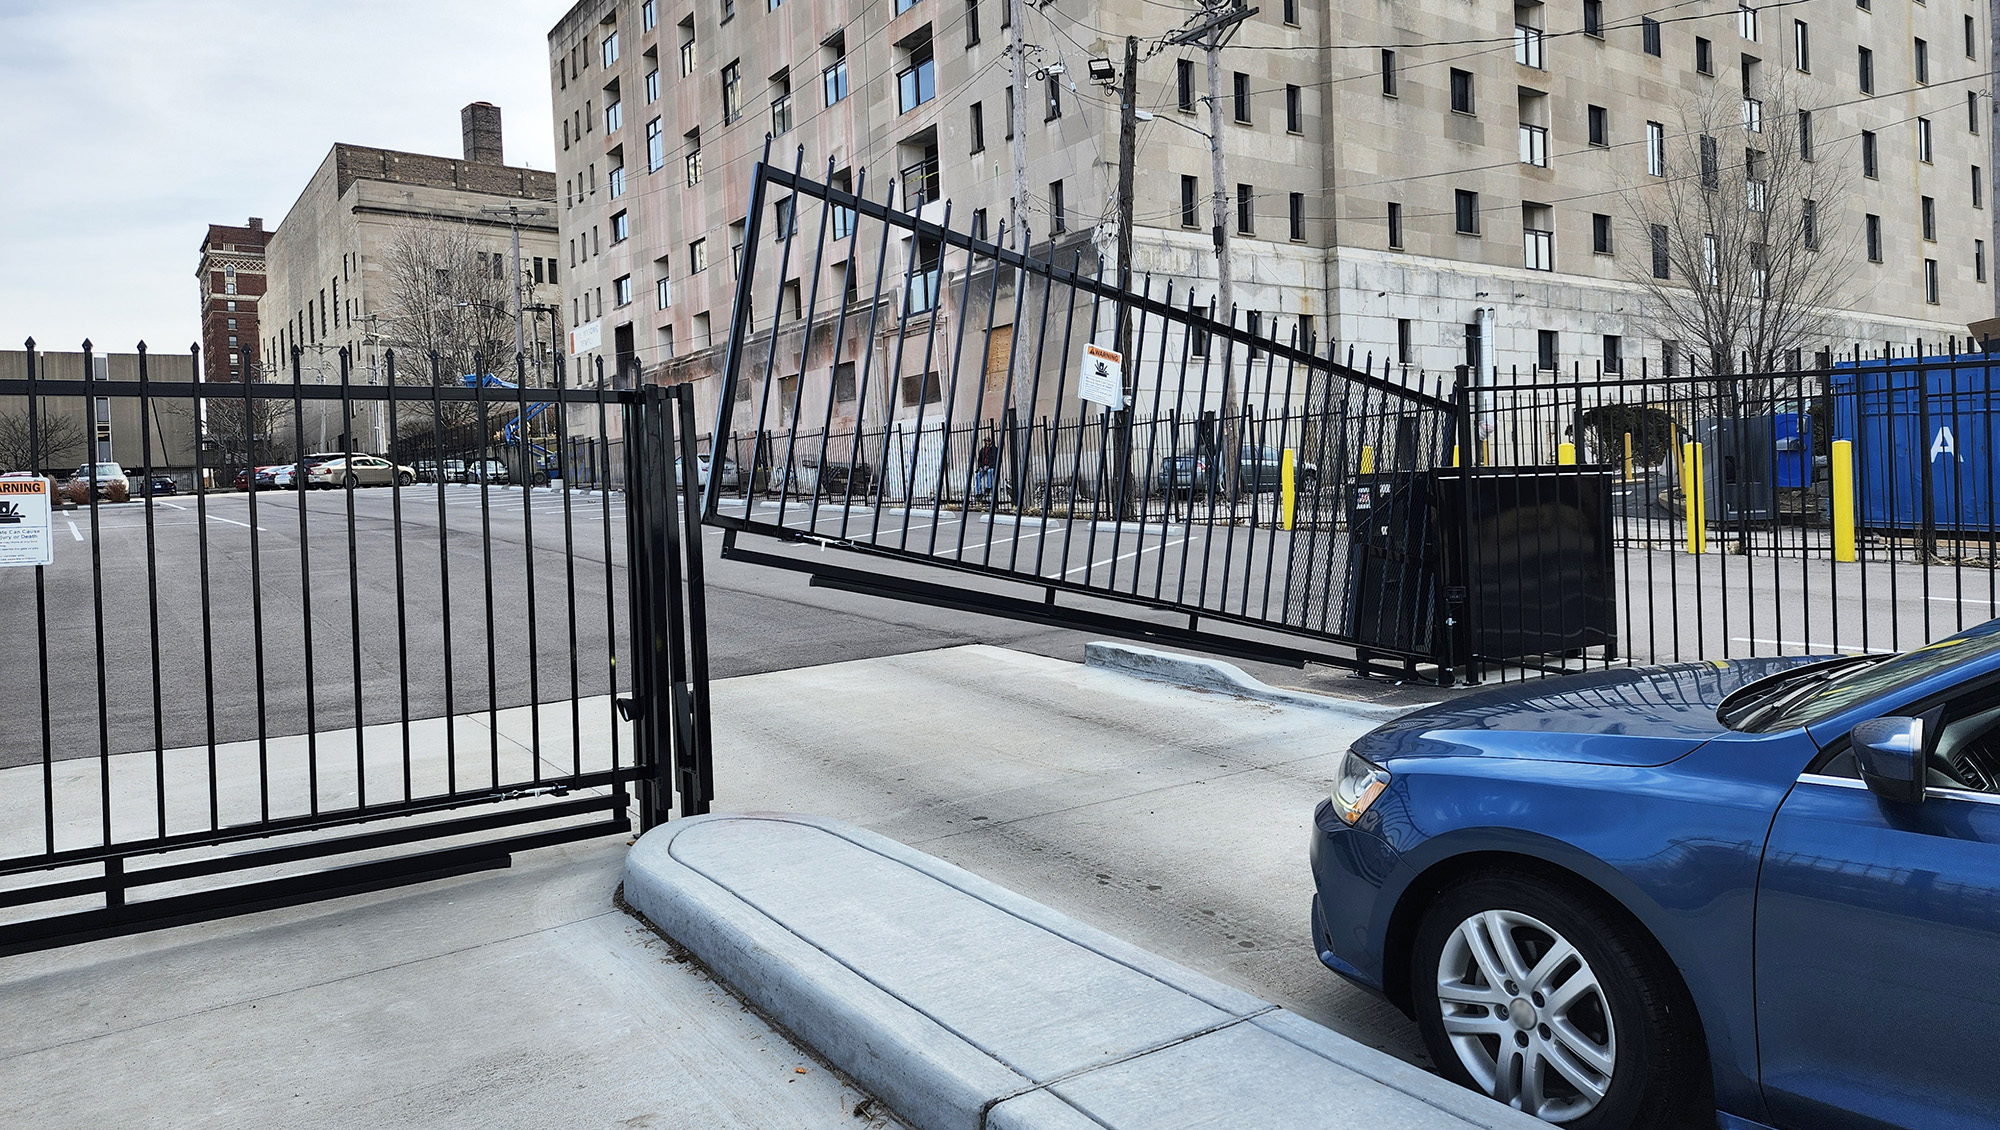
[483, 633]
[1116, 460]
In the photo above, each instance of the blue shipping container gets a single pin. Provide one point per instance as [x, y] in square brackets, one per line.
[1896, 432]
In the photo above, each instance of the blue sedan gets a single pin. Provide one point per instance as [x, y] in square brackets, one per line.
[1763, 893]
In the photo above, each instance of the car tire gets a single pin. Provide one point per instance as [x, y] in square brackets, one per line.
[406, 480]
[1624, 1052]
[350, 481]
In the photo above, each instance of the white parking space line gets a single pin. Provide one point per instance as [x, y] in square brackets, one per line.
[1815, 645]
[1960, 600]
[234, 522]
[74, 532]
[1123, 557]
[175, 505]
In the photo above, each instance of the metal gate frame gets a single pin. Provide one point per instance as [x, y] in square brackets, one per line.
[666, 699]
[1359, 396]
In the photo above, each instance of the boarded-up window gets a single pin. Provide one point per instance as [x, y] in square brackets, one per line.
[998, 346]
[925, 385]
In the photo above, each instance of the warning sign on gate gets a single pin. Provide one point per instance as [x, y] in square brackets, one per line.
[1102, 377]
[26, 532]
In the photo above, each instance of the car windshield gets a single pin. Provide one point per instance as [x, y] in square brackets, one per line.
[1847, 684]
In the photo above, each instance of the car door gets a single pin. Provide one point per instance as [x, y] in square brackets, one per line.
[376, 472]
[1878, 939]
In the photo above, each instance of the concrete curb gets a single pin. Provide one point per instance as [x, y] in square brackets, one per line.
[965, 1006]
[1226, 678]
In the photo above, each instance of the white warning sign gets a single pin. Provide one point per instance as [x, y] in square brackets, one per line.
[1101, 380]
[26, 533]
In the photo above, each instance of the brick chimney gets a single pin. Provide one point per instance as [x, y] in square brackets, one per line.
[256, 223]
[479, 124]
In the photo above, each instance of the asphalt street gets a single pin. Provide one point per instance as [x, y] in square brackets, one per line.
[232, 637]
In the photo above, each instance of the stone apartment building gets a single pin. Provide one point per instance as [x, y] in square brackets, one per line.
[327, 262]
[1427, 183]
[231, 272]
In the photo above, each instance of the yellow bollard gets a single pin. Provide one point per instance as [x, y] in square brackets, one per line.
[1288, 490]
[1628, 457]
[1367, 459]
[1454, 455]
[1843, 500]
[1566, 454]
[1697, 513]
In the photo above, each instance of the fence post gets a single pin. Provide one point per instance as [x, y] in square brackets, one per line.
[1691, 488]
[1843, 499]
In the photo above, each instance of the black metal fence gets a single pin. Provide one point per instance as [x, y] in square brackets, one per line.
[409, 673]
[966, 405]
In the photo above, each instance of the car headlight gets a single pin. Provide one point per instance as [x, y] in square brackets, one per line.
[1357, 785]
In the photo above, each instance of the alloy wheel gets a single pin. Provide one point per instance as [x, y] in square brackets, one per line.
[1526, 1016]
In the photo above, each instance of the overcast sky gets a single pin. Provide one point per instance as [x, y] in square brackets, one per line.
[128, 126]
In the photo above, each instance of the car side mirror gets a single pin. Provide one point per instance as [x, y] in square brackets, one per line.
[1890, 753]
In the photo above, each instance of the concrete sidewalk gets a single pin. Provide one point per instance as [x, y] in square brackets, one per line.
[967, 1007]
[518, 998]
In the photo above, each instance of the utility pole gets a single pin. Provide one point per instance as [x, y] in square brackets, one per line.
[1128, 144]
[514, 214]
[1017, 51]
[1216, 23]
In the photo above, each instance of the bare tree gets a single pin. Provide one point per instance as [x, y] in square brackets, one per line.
[1738, 262]
[61, 441]
[451, 299]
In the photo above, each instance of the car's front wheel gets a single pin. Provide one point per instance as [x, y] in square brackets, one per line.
[1549, 1004]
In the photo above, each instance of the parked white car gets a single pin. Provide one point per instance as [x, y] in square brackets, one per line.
[358, 471]
[107, 474]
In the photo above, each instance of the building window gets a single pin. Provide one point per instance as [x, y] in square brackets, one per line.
[1600, 233]
[1538, 238]
[1872, 226]
[1388, 74]
[691, 147]
[1197, 338]
[1972, 111]
[732, 91]
[620, 228]
[843, 218]
[979, 223]
[978, 128]
[1404, 347]
[736, 236]
[921, 177]
[1656, 149]
[1395, 226]
[1868, 167]
[1923, 63]
[1971, 39]
[1979, 260]
[652, 86]
[1190, 202]
[611, 49]
[1546, 353]
[1534, 144]
[1931, 281]
[1805, 135]
[1461, 91]
[1246, 216]
[1711, 166]
[1746, 22]
[1704, 56]
[916, 83]
[781, 102]
[1593, 18]
[1809, 223]
[621, 290]
[698, 256]
[656, 146]
[1291, 13]
[728, 11]
[1295, 109]
[663, 292]
[1658, 232]
[1527, 42]
[1927, 218]
[1924, 140]
[782, 212]
[1864, 62]
[1600, 125]
[843, 381]
[1649, 36]
[1242, 97]
[616, 181]
[687, 46]
[1054, 108]
[1466, 206]
[1978, 188]
[1184, 84]
[833, 80]
[972, 22]
[921, 388]
[1058, 221]
[1298, 216]
[649, 15]
[1614, 353]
